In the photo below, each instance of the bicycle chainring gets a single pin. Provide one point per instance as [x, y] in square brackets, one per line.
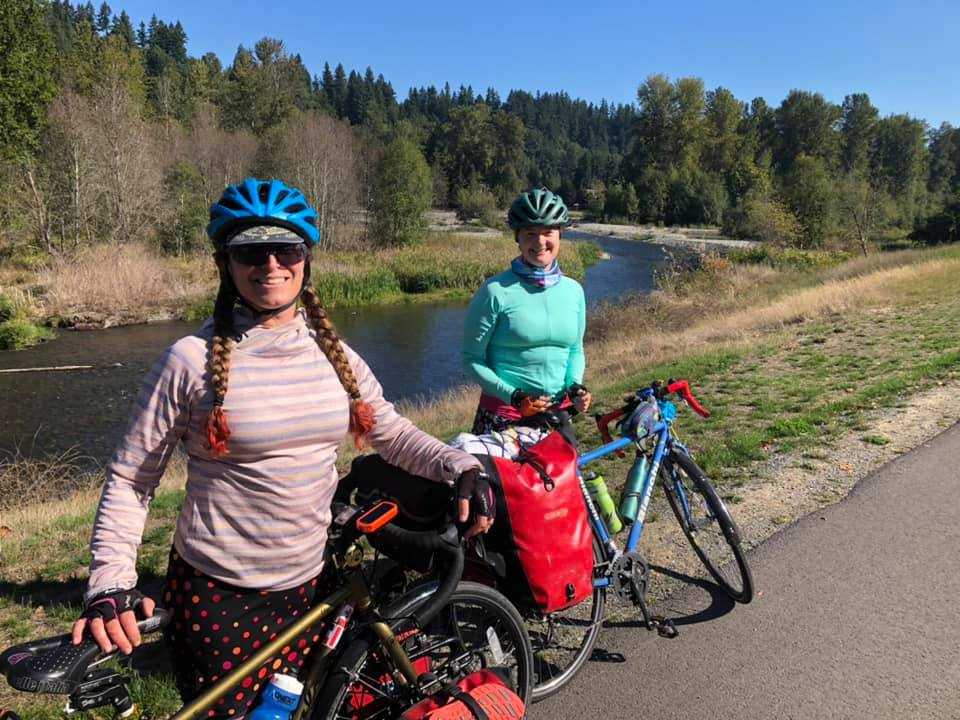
[629, 575]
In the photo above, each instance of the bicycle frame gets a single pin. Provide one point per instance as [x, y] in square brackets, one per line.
[355, 592]
[665, 441]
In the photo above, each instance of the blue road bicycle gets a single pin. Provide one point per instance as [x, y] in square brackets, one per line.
[564, 640]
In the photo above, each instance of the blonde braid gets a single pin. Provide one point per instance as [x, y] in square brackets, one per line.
[215, 427]
[361, 414]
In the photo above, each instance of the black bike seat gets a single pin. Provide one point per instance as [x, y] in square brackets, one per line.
[56, 665]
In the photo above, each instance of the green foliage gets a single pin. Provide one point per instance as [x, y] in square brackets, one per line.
[682, 155]
[477, 202]
[26, 76]
[621, 202]
[695, 198]
[366, 285]
[944, 227]
[810, 195]
[184, 230]
[787, 259]
[762, 216]
[18, 333]
[8, 308]
[401, 194]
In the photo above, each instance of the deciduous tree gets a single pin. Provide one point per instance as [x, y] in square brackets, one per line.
[401, 193]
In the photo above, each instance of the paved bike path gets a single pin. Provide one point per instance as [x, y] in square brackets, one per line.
[859, 617]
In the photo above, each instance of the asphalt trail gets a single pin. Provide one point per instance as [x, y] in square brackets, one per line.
[858, 617]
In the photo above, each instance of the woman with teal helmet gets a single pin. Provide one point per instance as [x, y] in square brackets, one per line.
[260, 399]
[523, 335]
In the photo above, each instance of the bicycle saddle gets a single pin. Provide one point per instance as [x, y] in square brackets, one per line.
[56, 665]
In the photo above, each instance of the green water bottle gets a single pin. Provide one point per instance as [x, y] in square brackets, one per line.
[630, 501]
[601, 498]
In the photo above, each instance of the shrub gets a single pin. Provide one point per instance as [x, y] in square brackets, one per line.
[8, 308]
[477, 202]
[765, 218]
[19, 333]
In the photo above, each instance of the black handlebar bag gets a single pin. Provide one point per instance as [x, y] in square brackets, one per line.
[422, 504]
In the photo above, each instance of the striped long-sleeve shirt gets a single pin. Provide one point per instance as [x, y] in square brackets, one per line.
[256, 517]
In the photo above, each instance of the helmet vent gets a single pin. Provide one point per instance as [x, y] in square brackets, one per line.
[263, 192]
[230, 203]
[296, 208]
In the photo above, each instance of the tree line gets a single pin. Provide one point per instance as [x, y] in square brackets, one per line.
[113, 132]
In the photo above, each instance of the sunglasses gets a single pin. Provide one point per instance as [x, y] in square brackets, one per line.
[254, 255]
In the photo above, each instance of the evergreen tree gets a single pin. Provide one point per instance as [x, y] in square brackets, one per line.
[26, 76]
[102, 24]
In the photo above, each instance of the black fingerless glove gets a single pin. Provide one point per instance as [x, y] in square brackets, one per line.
[108, 605]
[475, 486]
[576, 389]
[518, 396]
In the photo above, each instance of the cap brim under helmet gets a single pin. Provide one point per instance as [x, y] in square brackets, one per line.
[263, 235]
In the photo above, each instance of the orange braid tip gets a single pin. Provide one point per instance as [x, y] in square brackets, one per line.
[361, 422]
[217, 431]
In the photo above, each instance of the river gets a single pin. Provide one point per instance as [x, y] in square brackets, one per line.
[413, 349]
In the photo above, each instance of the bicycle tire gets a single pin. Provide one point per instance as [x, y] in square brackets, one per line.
[713, 534]
[457, 642]
[563, 641]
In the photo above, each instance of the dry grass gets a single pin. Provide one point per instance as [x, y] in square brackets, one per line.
[36, 496]
[726, 307]
[726, 311]
[124, 280]
[25, 479]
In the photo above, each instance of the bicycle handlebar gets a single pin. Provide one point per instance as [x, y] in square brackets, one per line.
[447, 543]
[656, 389]
[444, 540]
[683, 388]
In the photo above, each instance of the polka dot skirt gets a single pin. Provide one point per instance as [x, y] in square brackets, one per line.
[216, 626]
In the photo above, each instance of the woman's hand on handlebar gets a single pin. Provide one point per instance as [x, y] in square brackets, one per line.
[580, 397]
[474, 493]
[528, 404]
[111, 619]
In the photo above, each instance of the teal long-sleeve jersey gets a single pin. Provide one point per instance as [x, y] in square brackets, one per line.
[517, 335]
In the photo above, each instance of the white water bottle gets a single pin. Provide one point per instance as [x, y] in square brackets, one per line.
[278, 699]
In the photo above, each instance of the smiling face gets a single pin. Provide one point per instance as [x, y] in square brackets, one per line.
[539, 245]
[273, 283]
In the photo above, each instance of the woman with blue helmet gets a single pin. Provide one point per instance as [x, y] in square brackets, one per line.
[260, 399]
[523, 335]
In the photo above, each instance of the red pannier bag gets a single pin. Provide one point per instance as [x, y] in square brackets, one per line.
[484, 695]
[542, 529]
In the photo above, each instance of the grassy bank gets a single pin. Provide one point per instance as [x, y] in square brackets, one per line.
[104, 286]
[790, 353]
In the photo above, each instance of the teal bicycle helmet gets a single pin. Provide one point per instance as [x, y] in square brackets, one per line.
[537, 206]
[261, 202]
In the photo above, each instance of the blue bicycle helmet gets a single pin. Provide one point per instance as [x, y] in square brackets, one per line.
[262, 202]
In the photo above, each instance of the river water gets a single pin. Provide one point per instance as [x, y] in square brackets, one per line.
[413, 349]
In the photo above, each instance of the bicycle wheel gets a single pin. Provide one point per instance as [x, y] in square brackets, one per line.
[563, 640]
[709, 527]
[479, 628]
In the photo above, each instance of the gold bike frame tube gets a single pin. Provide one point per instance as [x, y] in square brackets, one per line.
[399, 656]
[204, 702]
[383, 631]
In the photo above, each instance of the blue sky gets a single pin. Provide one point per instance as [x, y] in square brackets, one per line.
[903, 55]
